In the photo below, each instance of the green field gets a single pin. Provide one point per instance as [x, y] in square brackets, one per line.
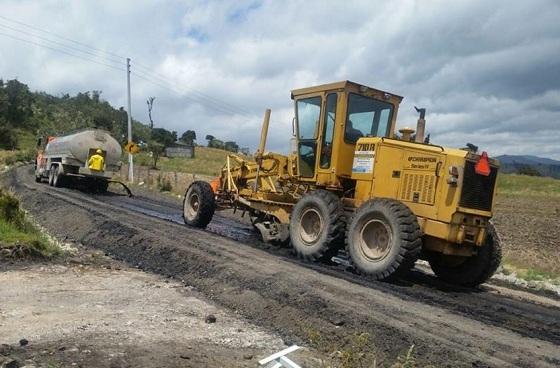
[207, 161]
[513, 184]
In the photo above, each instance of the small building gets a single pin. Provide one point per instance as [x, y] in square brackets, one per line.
[180, 150]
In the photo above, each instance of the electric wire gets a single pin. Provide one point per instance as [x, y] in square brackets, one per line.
[61, 51]
[61, 37]
[240, 110]
[184, 94]
[60, 44]
[148, 75]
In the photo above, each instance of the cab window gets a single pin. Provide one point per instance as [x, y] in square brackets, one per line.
[367, 117]
[328, 131]
[308, 112]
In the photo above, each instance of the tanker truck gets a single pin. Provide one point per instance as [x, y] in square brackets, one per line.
[63, 160]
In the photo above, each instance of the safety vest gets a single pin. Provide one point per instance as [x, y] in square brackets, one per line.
[96, 162]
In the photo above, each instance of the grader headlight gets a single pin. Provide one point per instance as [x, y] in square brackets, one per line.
[453, 175]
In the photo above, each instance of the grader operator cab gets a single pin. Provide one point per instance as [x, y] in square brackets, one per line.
[351, 181]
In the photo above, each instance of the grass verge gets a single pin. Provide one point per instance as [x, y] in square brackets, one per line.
[513, 184]
[19, 238]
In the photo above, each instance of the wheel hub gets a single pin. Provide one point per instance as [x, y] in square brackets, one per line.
[192, 204]
[375, 239]
[311, 224]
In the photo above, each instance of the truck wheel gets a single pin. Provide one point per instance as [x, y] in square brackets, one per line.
[383, 239]
[199, 204]
[317, 225]
[51, 175]
[469, 271]
[58, 177]
[101, 186]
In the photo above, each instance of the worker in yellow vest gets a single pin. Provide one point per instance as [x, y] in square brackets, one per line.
[96, 162]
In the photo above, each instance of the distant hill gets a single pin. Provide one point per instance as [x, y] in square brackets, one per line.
[25, 115]
[529, 164]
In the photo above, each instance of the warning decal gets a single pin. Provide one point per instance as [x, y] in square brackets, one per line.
[363, 162]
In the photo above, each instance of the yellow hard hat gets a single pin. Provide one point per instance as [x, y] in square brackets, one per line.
[99, 151]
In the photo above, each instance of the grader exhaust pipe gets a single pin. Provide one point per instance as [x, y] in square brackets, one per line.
[420, 125]
[262, 144]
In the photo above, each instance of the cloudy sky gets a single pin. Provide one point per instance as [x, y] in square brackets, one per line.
[488, 72]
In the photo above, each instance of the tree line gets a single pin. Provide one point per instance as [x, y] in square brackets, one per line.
[27, 113]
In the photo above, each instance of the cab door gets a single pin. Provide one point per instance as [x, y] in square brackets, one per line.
[308, 117]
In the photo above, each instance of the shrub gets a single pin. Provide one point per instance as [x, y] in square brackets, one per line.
[164, 184]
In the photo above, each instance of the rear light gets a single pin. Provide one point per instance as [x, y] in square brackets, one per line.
[482, 167]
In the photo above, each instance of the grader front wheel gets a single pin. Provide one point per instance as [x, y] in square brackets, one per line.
[469, 271]
[383, 238]
[199, 204]
[317, 225]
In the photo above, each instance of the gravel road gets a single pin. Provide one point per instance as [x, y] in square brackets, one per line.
[318, 305]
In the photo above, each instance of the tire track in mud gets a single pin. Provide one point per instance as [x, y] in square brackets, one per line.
[524, 317]
[277, 292]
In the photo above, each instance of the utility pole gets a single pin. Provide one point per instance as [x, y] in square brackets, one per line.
[130, 161]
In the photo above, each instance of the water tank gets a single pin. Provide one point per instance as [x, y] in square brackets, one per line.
[78, 145]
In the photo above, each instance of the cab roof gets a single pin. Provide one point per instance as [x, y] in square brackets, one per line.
[342, 85]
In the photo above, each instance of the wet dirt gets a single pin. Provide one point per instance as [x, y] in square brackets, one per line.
[228, 264]
[87, 310]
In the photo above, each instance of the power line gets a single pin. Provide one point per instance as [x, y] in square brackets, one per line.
[198, 100]
[154, 78]
[61, 37]
[239, 110]
[61, 44]
[61, 51]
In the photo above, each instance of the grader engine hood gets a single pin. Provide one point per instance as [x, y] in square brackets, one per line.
[435, 182]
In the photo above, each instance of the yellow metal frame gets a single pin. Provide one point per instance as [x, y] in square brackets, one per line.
[271, 182]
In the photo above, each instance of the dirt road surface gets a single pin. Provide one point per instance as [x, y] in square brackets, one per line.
[316, 305]
[94, 312]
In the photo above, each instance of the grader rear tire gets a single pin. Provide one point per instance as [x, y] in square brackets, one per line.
[383, 239]
[317, 226]
[469, 271]
[199, 204]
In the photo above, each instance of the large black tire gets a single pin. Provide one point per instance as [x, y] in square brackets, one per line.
[383, 239]
[199, 204]
[317, 225]
[102, 186]
[469, 271]
[58, 177]
[51, 175]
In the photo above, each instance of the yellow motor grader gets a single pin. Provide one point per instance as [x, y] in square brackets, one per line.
[352, 181]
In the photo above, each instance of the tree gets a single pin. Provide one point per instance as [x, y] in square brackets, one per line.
[528, 170]
[150, 103]
[231, 146]
[216, 143]
[102, 121]
[8, 138]
[157, 149]
[19, 101]
[209, 138]
[188, 137]
[164, 136]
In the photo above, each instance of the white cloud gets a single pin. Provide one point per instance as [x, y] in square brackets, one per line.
[488, 72]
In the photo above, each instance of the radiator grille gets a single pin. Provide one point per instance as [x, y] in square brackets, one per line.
[478, 190]
[418, 187]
